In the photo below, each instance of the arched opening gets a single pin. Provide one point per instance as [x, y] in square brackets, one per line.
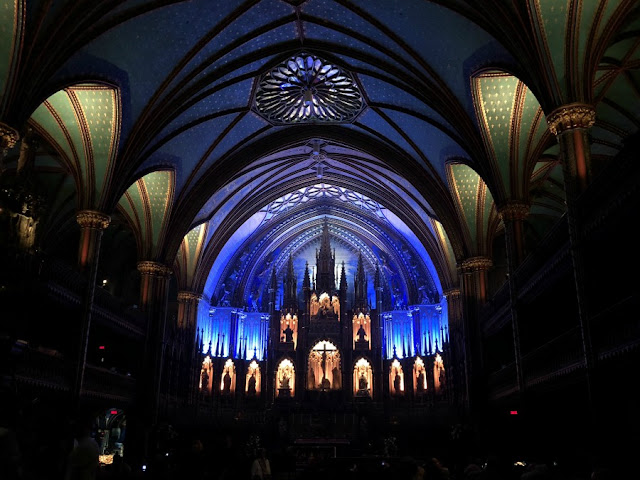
[438, 374]
[396, 378]
[419, 373]
[362, 378]
[253, 382]
[324, 367]
[289, 329]
[361, 331]
[286, 379]
[206, 375]
[228, 379]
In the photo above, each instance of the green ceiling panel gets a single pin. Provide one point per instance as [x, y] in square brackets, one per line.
[495, 96]
[55, 116]
[622, 93]
[134, 207]
[445, 244]
[620, 49]
[587, 11]
[193, 244]
[100, 109]
[553, 24]
[609, 7]
[486, 216]
[10, 32]
[466, 183]
[159, 189]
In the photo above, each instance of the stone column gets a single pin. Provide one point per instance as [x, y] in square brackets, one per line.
[570, 124]
[513, 215]
[154, 282]
[187, 323]
[473, 273]
[457, 360]
[92, 224]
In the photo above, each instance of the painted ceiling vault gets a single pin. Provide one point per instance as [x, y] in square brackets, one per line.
[223, 135]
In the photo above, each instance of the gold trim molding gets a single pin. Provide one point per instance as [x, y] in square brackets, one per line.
[570, 116]
[186, 296]
[8, 137]
[475, 264]
[153, 268]
[93, 219]
[514, 211]
[452, 293]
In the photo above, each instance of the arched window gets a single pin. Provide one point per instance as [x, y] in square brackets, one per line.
[289, 329]
[228, 378]
[396, 378]
[361, 330]
[286, 378]
[253, 382]
[324, 371]
[420, 376]
[206, 375]
[362, 378]
[438, 373]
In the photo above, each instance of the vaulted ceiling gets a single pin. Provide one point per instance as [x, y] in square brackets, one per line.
[222, 134]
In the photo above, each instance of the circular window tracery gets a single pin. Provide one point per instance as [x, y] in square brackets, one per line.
[307, 89]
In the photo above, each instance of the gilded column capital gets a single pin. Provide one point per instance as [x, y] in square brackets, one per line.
[452, 293]
[475, 264]
[8, 137]
[93, 219]
[570, 116]
[186, 296]
[514, 210]
[154, 269]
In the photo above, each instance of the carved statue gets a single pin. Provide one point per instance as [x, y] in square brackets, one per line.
[288, 334]
[227, 383]
[335, 304]
[396, 383]
[362, 382]
[420, 382]
[284, 382]
[362, 335]
[251, 388]
[314, 305]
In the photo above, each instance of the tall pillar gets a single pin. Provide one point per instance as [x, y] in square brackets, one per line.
[187, 323]
[154, 282]
[570, 124]
[154, 290]
[457, 360]
[473, 273]
[92, 224]
[513, 215]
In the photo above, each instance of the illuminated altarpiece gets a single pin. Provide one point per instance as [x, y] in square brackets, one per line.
[324, 343]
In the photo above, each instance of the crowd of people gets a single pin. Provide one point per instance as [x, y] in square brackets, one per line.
[226, 455]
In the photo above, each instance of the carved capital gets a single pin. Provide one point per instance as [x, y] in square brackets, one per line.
[8, 137]
[93, 219]
[153, 268]
[186, 296]
[514, 211]
[452, 293]
[570, 116]
[475, 264]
